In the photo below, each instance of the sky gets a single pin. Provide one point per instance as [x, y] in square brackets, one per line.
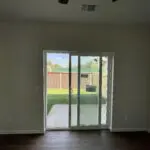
[63, 59]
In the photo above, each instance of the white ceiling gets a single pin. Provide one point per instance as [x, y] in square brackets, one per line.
[122, 11]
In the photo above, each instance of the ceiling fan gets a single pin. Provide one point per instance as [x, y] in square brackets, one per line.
[114, 0]
[67, 1]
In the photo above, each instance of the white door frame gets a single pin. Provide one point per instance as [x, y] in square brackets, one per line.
[109, 82]
[44, 90]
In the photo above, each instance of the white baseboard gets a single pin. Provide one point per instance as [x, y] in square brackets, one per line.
[128, 130]
[21, 132]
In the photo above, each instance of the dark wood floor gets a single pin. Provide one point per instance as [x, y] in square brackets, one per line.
[83, 140]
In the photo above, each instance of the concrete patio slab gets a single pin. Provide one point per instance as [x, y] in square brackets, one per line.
[58, 116]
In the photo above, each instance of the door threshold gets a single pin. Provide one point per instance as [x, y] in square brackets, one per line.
[72, 130]
[77, 129]
[57, 129]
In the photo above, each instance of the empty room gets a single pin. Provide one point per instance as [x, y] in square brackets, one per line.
[75, 74]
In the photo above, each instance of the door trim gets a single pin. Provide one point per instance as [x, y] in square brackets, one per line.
[44, 91]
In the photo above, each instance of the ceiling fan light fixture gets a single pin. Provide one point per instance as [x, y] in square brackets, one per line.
[63, 1]
[114, 1]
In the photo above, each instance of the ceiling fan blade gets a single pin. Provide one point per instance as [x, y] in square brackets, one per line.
[63, 1]
[114, 1]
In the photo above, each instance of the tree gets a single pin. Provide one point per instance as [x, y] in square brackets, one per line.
[91, 64]
[88, 64]
[51, 66]
[57, 66]
[49, 63]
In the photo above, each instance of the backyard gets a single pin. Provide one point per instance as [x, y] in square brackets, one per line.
[58, 90]
[60, 96]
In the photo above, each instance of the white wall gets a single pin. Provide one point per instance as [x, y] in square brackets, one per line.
[21, 100]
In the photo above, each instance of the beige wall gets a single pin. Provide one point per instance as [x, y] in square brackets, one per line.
[21, 100]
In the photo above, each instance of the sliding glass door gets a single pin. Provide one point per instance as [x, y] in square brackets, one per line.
[76, 90]
[85, 91]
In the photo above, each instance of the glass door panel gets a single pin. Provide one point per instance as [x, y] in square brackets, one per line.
[74, 91]
[85, 91]
[89, 91]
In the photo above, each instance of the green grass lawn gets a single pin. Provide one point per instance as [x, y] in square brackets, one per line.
[60, 96]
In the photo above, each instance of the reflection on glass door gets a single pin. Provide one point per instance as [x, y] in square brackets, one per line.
[104, 90]
[57, 90]
[85, 74]
[73, 90]
[89, 91]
